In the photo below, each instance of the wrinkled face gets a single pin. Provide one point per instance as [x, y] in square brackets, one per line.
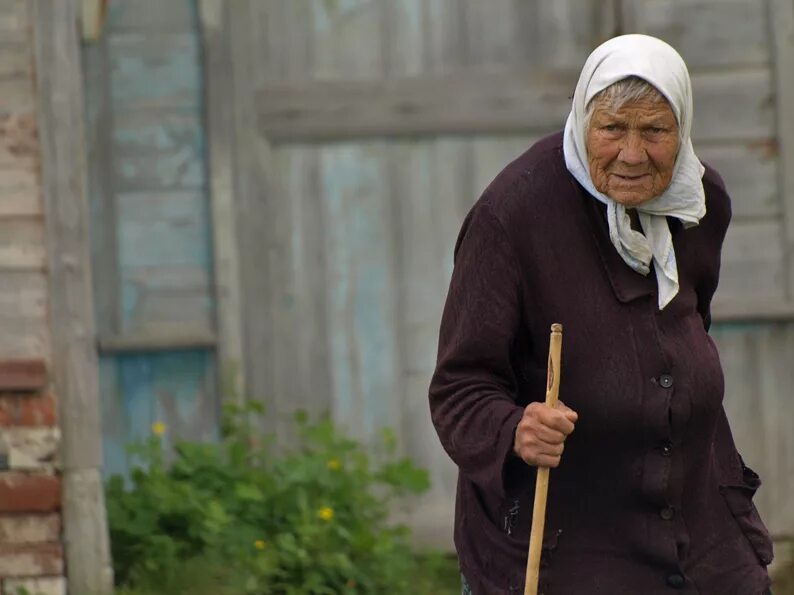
[631, 152]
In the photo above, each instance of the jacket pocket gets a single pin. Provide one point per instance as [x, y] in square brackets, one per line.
[739, 499]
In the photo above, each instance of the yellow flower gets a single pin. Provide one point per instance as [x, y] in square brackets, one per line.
[158, 428]
[326, 513]
[260, 544]
[334, 465]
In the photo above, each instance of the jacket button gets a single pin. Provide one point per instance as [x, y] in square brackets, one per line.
[676, 581]
[666, 381]
[667, 513]
[666, 448]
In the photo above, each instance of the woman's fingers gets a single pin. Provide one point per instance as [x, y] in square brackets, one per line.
[541, 433]
[567, 411]
[559, 418]
[550, 435]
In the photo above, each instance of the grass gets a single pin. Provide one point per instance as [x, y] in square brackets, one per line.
[438, 576]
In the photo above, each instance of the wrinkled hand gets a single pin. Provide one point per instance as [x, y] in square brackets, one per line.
[541, 433]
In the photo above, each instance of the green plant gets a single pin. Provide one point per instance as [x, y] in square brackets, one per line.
[234, 518]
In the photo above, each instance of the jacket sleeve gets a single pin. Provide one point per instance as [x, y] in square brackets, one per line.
[718, 203]
[472, 393]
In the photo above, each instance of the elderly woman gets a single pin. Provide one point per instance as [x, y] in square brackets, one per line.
[613, 228]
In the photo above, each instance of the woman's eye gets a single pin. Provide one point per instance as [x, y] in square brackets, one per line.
[611, 128]
[655, 130]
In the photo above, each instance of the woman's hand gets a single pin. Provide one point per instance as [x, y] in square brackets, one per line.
[541, 433]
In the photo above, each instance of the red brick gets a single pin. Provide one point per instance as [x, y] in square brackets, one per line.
[29, 493]
[20, 409]
[23, 374]
[40, 559]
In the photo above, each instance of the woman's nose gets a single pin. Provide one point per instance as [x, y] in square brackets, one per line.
[633, 150]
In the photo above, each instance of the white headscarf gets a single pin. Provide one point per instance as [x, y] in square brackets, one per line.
[656, 62]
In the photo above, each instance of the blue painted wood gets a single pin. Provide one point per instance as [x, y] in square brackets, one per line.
[151, 15]
[177, 389]
[362, 288]
[154, 71]
[154, 179]
[158, 151]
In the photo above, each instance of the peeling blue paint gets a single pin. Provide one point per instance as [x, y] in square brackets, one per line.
[156, 162]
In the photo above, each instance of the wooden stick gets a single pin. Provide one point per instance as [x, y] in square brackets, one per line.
[542, 481]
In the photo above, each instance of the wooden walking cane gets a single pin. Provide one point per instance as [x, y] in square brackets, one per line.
[542, 481]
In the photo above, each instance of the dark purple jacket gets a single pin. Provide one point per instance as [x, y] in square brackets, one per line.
[651, 496]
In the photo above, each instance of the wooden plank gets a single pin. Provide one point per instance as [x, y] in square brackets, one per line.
[707, 33]
[23, 315]
[163, 229]
[489, 32]
[426, 232]
[184, 387]
[263, 26]
[20, 194]
[219, 106]
[733, 105]
[166, 298]
[15, 61]
[750, 171]
[92, 19]
[176, 389]
[757, 359]
[22, 244]
[153, 72]
[175, 338]
[403, 38]
[14, 21]
[452, 104]
[759, 310]
[158, 150]
[753, 262]
[164, 261]
[363, 348]
[347, 39]
[561, 34]
[253, 187]
[114, 436]
[150, 16]
[728, 106]
[16, 96]
[782, 18]
[491, 155]
[19, 145]
[443, 34]
[101, 190]
[74, 361]
[300, 366]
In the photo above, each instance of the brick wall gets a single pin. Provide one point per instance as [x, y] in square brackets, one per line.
[31, 548]
[31, 552]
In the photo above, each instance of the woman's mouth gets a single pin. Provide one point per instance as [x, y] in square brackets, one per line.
[631, 177]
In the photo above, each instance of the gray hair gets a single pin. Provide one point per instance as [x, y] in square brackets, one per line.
[616, 95]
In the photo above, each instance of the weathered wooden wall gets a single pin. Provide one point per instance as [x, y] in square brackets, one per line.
[52, 517]
[362, 132]
[30, 527]
[23, 281]
[151, 225]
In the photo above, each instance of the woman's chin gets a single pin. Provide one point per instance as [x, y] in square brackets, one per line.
[630, 198]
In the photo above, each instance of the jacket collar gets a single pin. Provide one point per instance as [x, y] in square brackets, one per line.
[627, 284]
